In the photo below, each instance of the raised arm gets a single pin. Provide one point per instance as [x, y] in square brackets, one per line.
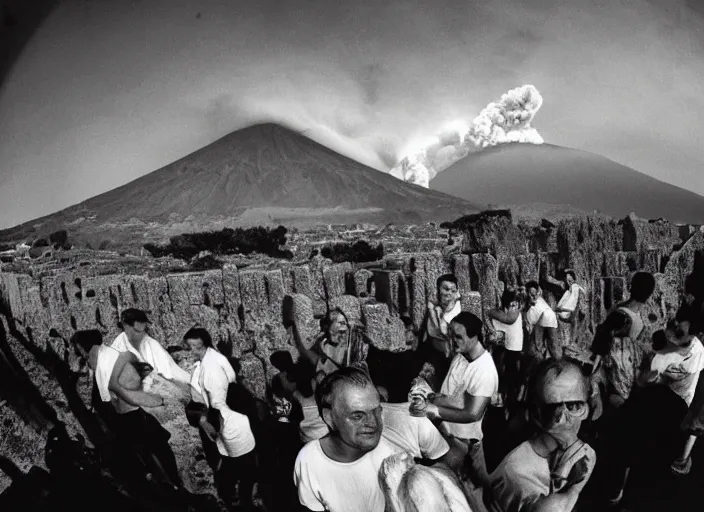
[123, 374]
[505, 317]
[308, 354]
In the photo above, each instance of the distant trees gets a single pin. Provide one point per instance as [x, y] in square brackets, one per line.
[59, 238]
[358, 252]
[227, 241]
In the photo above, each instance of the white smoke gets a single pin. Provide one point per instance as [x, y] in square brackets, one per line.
[505, 121]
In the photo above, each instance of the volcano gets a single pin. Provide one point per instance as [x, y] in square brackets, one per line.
[261, 175]
[523, 176]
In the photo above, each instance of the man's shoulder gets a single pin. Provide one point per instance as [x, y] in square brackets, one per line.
[311, 454]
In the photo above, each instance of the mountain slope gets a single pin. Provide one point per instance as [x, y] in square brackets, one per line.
[523, 174]
[264, 174]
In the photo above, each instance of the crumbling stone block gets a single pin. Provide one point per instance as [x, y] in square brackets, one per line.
[472, 302]
[485, 270]
[461, 270]
[302, 282]
[364, 283]
[350, 306]
[383, 330]
[252, 375]
[391, 288]
[299, 308]
[334, 279]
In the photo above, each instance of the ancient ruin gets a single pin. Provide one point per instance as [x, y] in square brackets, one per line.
[248, 309]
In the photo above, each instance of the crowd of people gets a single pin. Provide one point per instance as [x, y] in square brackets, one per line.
[349, 428]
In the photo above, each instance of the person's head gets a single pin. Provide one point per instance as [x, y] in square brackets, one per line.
[678, 329]
[336, 326]
[134, 323]
[465, 330]
[198, 340]
[570, 277]
[509, 299]
[642, 286]
[350, 406]
[558, 396]
[533, 292]
[447, 289]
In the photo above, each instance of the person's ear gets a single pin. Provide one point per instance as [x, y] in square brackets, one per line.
[327, 417]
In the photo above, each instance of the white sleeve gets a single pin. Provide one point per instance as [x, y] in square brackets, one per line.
[216, 385]
[484, 382]
[432, 444]
[303, 480]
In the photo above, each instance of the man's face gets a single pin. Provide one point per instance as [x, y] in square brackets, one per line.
[356, 416]
[564, 405]
[338, 329]
[447, 293]
[460, 341]
[677, 332]
[533, 296]
[135, 333]
[197, 347]
[569, 280]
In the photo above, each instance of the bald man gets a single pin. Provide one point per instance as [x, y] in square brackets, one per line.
[549, 471]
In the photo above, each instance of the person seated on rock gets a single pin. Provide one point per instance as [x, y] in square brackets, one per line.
[237, 462]
[541, 325]
[340, 472]
[508, 321]
[336, 347]
[119, 382]
[570, 301]
[465, 394]
[135, 339]
[435, 344]
[549, 471]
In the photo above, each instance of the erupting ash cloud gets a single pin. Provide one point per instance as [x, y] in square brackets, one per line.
[505, 121]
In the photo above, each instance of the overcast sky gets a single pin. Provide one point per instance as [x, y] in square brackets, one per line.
[106, 91]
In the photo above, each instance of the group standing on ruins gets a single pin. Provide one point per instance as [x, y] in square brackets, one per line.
[369, 438]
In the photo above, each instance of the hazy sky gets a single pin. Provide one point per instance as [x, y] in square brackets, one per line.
[106, 91]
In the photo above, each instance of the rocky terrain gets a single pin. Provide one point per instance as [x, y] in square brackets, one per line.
[44, 313]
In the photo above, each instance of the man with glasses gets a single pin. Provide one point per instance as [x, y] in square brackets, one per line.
[548, 471]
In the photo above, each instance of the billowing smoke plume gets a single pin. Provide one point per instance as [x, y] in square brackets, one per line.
[507, 120]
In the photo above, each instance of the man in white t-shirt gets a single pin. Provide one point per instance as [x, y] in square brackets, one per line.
[340, 472]
[541, 324]
[466, 392]
[414, 435]
[507, 355]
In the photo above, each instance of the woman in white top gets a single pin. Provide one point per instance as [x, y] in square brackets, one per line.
[568, 307]
[232, 433]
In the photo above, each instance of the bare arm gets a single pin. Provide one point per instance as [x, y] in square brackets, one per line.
[555, 282]
[557, 502]
[473, 410]
[121, 372]
[504, 317]
[308, 354]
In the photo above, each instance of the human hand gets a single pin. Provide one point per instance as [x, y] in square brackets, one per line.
[431, 411]
[209, 430]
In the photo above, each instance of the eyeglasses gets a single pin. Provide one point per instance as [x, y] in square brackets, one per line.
[573, 408]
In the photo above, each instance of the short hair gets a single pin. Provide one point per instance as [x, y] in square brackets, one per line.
[326, 321]
[349, 375]
[570, 272]
[199, 333]
[471, 323]
[449, 278]
[532, 284]
[132, 315]
[642, 286]
[547, 371]
[508, 297]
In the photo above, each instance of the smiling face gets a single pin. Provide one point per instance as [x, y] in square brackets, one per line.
[356, 416]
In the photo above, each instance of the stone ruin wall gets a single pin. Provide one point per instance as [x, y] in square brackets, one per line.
[245, 309]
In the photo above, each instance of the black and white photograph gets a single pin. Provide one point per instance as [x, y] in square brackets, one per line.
[368, 256]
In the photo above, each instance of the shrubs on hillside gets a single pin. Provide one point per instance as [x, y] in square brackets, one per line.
[358, 252]
[227, 241]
